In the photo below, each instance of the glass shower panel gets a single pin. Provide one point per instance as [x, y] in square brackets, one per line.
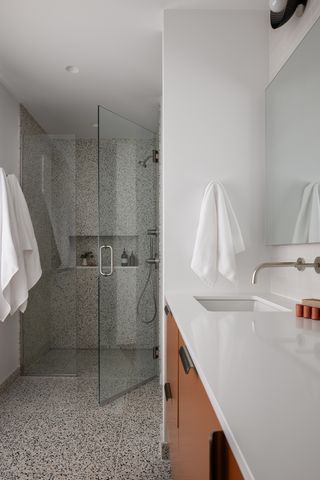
[49, 323]
[128, 238]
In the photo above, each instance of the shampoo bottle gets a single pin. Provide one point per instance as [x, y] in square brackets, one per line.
[132, 260]
[124, 258]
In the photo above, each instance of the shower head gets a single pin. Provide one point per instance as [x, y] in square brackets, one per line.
[154, 157]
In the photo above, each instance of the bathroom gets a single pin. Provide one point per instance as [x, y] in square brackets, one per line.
[147, 349]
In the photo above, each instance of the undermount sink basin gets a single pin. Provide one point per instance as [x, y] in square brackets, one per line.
[236, 304]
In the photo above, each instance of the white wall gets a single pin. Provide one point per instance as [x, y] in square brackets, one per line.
[215, 68]
[284, 40]
[289, 282]
[10, 161]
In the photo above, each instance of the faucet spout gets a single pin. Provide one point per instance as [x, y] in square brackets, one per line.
[269, 265]
[300, 265]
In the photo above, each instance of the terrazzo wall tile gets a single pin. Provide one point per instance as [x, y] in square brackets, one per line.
[117, 177]
[147, 199]
[36, 153]
[63, 197]
[126, 314]
[35, 322]
[48, 182]
[63, 326]
[129, 208]
[87, 187]
[87, 307]
[63, 320]
[128, 198]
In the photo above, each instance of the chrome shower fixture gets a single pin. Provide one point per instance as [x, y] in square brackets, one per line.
[152, 231]
[282, 10]
[154, 157]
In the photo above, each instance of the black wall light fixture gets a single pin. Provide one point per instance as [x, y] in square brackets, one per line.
[282, 10]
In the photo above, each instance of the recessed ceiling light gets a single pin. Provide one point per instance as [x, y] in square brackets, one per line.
[72, 69]
[95, 125]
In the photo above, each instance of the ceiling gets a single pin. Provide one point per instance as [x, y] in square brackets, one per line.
[115, 43]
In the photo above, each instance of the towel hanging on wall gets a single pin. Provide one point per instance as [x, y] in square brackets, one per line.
[218, 237]
[28, 242]
[20, 267]
[307, 228]
[8, 256]
[18, 283]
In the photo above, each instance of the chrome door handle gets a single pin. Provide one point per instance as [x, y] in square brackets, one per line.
[111, 260]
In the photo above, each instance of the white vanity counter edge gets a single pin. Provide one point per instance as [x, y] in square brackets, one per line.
[261, 371]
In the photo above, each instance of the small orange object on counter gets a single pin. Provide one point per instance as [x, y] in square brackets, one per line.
[299, 310]
[307, 311]
[315, 313]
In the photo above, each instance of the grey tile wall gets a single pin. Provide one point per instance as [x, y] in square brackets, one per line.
[48, 182]
[63, 321]
[87, 307]
[87, 187]
[63, 308]
[63, 197]
[36, 154]
[128, 207]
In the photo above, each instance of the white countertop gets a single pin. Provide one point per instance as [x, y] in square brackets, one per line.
[261, 371]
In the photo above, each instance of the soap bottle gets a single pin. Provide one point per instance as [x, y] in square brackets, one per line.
[132, 260]
[124, 258]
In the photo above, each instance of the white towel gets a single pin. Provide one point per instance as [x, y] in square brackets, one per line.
[28, 242]
[8, 256]
[307, 228]
[218, 237]
[18, 284]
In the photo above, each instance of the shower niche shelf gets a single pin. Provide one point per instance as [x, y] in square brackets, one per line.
[90, 243]
[116, 267]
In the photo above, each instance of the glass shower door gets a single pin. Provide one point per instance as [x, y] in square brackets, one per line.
[128, 261]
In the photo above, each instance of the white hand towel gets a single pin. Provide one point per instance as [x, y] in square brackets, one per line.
[18, 284]
[8, 255]
[307, 228]
[218, 237]
[28, 242]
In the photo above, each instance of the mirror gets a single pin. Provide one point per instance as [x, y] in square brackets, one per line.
[293, 147]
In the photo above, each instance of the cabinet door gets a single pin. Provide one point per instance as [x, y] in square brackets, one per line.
[197, 420]
[172, 394]
[223, 465]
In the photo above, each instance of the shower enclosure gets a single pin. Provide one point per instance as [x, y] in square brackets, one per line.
[95, 310]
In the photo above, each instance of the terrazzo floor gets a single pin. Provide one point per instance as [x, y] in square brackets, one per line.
[126, 367]
[52, 428]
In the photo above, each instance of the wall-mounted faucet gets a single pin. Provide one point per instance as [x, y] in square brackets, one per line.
[300, 265]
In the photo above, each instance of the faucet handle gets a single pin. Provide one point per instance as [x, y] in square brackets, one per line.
[317, 264]
[300, 264]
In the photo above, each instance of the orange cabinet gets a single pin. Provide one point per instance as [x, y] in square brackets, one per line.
[198, 447]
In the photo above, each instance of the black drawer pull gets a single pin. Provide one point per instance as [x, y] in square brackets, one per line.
[166, 310]
[186, 360]
[217, 456]
[167, 391]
